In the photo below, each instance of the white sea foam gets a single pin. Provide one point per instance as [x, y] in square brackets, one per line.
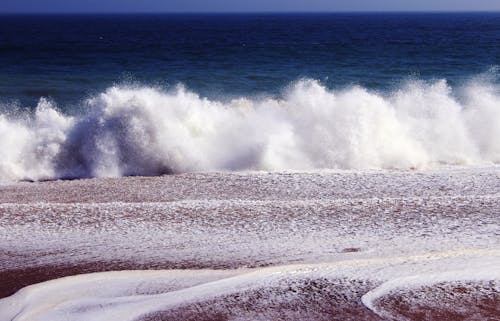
[148, 131]
[130, 295]
[487, 272]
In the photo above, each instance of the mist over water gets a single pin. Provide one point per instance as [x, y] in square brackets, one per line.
[134, 130]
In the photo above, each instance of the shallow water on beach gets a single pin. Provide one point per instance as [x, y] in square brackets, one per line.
[321, 245]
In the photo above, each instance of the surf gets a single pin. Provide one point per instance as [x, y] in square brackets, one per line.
[142, 130]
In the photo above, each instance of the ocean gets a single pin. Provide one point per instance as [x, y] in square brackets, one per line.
[69, 58]
[250, 167]
[180, 93]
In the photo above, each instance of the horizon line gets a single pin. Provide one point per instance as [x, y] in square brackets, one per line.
[239, 12]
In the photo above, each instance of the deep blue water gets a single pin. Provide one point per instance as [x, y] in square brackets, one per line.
[69, 58]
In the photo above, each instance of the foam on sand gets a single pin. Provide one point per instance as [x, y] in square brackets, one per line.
[131, 295]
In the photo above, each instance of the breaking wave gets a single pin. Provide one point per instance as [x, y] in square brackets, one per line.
[130, 130]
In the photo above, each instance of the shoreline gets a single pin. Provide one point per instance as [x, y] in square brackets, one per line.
[262, 222]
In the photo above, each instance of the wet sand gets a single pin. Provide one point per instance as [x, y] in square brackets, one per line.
[227, 221]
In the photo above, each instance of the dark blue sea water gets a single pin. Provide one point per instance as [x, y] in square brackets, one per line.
[68, 58]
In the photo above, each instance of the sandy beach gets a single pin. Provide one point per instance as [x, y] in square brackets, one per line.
[324, 245]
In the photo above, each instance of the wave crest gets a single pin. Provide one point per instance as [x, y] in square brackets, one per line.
[148, 131]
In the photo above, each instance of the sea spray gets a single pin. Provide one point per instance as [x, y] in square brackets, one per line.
[129, 130]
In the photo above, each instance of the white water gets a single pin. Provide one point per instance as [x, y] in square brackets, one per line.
[130, 295]
[337, 242]
[147, 131]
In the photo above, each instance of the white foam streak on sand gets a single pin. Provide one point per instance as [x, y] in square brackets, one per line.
[147, 131]
[488, 272]
[94, 296]
[129, 295]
